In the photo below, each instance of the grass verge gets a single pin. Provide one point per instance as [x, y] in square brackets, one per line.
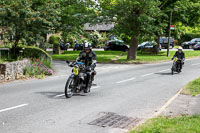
[102, 56]
[183, 124]
[108, 56]
[150, 57]
[192, 88]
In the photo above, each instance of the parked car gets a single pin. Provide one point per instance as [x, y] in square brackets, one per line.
[116, 45]
[164, 42]
[196, 46]
[78, 47]
[147, 45]
[191, 43]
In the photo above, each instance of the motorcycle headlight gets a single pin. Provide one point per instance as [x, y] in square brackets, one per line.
[76, 71]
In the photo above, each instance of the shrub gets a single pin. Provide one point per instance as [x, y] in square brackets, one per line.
[54, 39]
[31, 52]
[38, 69]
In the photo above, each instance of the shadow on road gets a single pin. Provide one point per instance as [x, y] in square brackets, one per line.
[51, 94]
[164, 73]
[57, 95]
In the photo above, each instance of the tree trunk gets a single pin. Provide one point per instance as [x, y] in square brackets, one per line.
[158, 44]
[15, 45]
[132, 53]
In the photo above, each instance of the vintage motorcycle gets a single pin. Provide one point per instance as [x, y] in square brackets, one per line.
[176, 67]
[80, 79]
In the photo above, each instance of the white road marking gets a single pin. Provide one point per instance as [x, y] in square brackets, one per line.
[125, 80]
[147, 74]
[60, 95]
[164, 70]
[195, 64]
[95, 87]
[14, 107]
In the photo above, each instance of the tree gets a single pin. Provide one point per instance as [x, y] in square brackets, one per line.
[133, 18]
[185, 14]
[74, 14]
[28, 20]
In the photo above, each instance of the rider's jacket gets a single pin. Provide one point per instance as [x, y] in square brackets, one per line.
[180, 55]
[87, 58]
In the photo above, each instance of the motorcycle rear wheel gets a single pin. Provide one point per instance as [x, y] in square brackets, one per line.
[172, 71]
[69, 90]
[88, 87]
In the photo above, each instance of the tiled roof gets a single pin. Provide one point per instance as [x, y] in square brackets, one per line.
[98, 27]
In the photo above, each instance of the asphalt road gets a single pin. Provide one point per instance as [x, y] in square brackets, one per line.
[136, 91]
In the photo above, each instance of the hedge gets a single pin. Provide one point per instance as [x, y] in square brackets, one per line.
[54, 39]
[31, 52]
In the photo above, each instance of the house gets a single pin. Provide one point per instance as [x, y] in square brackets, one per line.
[98, 27]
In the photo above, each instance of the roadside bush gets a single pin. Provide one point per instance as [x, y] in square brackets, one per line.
[54, 39]
[189, 36]
[31, 52]
[38, 68]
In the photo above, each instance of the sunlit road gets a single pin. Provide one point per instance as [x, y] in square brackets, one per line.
[136, 91]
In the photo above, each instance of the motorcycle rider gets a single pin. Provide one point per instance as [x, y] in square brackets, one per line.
[88, 57]
[181, 56]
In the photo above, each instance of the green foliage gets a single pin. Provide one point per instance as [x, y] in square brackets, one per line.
[54, 39]
[38, 68]
[74, 14]
[31, 52]
[135, 19]
[28, 20]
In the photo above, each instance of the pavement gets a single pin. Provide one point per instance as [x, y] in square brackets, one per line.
[124, 95]
[183, 105]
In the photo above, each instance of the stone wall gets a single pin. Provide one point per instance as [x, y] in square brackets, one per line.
[13, 70]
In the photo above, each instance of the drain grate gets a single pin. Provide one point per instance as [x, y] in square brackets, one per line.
[115, 121]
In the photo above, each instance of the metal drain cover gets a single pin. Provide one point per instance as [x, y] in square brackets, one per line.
[115, 121]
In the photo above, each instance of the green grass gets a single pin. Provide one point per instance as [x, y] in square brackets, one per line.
[1, 61]
[192, 88]
[184, 124]
[108, 56]
[149, 57]
[102, 56]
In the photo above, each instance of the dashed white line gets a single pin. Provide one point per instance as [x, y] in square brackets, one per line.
[125, 80]
[60, 95]
[14, 107]
[95, 87]
[147, 74]
[164, 70]
[195, 64]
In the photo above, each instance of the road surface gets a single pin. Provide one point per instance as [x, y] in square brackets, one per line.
[123, 93]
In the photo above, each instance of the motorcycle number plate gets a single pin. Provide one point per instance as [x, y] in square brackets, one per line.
[76, 71]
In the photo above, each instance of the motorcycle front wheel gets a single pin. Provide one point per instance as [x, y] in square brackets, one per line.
[69, 88]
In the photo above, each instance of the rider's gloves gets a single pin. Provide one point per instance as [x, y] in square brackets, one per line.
[93, 66]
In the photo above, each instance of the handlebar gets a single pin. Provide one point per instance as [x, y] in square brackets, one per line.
[73, 63]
